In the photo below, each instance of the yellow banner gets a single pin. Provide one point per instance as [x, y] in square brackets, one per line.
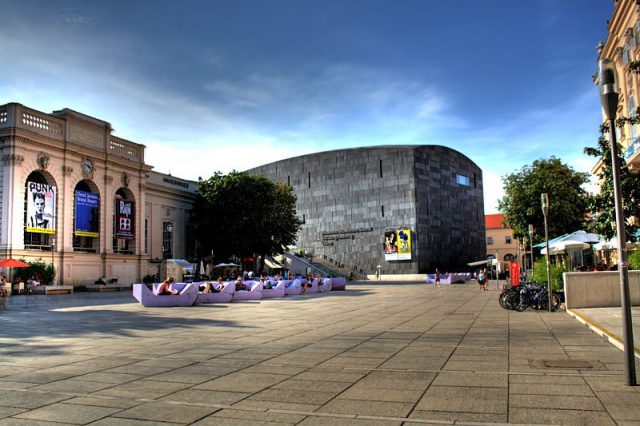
[87, 234]
[41, 230]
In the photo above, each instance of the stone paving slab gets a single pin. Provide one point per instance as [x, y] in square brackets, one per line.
[439, 357]
[68, 413]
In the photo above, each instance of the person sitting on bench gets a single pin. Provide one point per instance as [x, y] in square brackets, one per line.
[164, 289]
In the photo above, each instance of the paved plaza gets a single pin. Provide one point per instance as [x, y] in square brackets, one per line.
[376, 354]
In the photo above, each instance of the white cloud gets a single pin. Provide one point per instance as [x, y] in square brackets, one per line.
[493, 190]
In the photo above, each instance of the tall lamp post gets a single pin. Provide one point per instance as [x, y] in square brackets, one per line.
[609, 99]
[545, 211]
[531, 242]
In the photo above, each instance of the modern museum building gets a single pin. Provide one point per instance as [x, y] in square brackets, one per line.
[387, 209]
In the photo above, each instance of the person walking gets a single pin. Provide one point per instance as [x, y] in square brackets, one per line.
[437, 282]
[482, 279]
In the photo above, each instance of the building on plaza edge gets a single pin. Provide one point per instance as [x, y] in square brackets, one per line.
[409, 209]
[77, 196]
[501, 243]
[623, 47]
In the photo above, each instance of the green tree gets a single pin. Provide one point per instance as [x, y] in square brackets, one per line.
[244, 215]
[38, 269]
[521, 204]
[602, 205]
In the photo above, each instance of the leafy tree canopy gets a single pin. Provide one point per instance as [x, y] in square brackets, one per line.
[244, 215]
[602, 205]
[521, 204]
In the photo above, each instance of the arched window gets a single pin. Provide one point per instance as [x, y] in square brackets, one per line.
[40, 211]
[508, 257]
[124, 222]
[632, 114]
[86, 217]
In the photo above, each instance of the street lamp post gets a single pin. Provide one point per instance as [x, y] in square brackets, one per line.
[545, 211]
[609, 99]
[531, 242]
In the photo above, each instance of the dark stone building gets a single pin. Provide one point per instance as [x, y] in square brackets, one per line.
[353, 201]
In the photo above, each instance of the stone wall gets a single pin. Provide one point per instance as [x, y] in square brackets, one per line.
[598, 289]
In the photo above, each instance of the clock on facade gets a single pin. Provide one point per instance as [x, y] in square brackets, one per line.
[87, 166]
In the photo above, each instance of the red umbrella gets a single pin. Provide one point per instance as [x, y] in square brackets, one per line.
[12, 263]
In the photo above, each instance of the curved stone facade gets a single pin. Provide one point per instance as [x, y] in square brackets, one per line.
[347, 198]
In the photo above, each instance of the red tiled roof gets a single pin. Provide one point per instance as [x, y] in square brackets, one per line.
[494, 221]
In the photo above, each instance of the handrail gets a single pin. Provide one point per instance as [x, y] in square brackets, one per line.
[313, 267]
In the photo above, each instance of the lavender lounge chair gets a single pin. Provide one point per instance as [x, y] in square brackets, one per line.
[293, 286]
[338, 284]
[313, 287]
[186, 297]
[223, 296]
[255, 293]
[324, 285]
[276, 291]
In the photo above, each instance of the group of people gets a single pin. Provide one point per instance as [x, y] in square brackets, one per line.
[480, 275]
[165, 289]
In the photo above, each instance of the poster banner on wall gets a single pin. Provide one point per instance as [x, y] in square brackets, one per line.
[124, 219]
[390, 244]
[404, 244]
[87, 214]
[41, 208]
[514, 273]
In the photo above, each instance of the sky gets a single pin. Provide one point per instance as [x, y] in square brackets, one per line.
[221, 85]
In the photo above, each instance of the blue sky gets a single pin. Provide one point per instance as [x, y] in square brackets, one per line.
[223, 85]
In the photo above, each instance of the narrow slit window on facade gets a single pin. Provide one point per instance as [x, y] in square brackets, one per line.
[146, 235]
[309, 179]
[382, 210]
[289, 180]
[380, 168]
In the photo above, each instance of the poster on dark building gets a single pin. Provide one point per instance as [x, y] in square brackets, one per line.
[397, 243]
[41, 208]
[404, 244]
[124, 219]
[87, 214]
[390, 244]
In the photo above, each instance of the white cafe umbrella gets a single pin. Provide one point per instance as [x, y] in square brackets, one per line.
[611, 244]
[202, 270]
[565, 246]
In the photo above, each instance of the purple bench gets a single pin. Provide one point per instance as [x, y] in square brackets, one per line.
[312, 287]
[223, 296]
[338, 284]
[276, 291]
[255, 293]
[324, 285]
[293, 286]
[186, 297]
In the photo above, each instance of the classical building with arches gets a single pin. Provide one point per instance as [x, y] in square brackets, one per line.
[75, 195]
